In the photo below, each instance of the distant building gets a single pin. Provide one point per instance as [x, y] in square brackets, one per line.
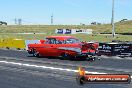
[73, 31]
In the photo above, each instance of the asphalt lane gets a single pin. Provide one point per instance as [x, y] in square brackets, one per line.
[103, 63]
[14, 76]
[21, 78]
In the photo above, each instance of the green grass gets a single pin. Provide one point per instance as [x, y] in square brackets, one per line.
[82, 37]
[124, 27]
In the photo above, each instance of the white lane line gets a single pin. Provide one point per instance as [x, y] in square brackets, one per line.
[45, 67]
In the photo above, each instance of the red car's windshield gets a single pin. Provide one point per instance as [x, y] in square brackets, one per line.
[72, 41]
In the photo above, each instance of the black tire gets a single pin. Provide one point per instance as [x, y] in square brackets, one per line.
[65, 56]
[36, 53]
[90, 58]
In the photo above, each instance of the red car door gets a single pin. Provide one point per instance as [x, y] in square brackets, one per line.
[50, 48]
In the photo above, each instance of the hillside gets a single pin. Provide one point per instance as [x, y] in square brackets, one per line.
[124, 27]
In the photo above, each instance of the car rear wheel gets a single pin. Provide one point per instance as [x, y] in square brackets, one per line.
[36, 53]
[65, 56]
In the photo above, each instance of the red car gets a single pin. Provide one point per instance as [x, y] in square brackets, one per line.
[61, 46]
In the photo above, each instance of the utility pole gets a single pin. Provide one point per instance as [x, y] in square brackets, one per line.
[113, 25]
[52, 19]
[19, 21]
[15, 21]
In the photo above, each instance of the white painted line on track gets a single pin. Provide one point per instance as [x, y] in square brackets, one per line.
[45, 67]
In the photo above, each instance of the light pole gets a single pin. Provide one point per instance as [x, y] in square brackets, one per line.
[113, 25]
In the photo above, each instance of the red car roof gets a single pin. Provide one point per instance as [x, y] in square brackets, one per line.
[60, 37]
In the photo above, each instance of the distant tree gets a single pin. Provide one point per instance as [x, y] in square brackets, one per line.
[82, 24]
[123, 20]
[95, 23]
[99, 23]
[3, 23]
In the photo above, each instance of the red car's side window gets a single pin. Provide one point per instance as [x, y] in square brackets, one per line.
[53, 41]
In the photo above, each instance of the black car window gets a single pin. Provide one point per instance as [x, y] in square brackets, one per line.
[59, 42]
[50, 41]
[53, 41]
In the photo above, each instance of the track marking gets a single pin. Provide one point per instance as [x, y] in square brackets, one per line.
[45, 67]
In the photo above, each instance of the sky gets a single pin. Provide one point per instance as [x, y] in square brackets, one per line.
[67, 12]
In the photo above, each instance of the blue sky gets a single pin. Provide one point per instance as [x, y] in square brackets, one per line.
[65, 11]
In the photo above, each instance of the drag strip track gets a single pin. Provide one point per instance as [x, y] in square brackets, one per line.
[19, 71]
[105, 64]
